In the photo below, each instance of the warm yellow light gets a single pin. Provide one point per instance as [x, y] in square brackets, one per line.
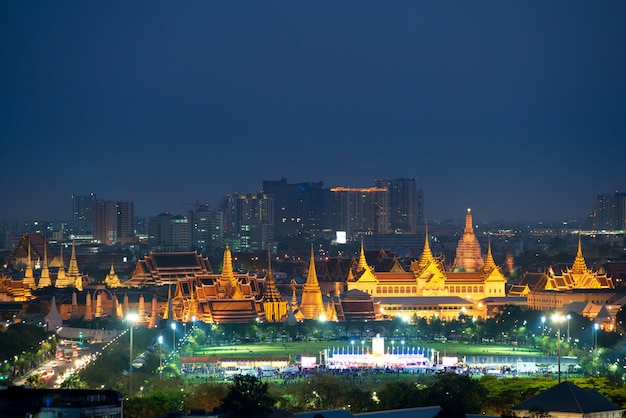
[132, 317]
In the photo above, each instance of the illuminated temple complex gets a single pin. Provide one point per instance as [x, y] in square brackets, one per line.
[427, 290]
[182, 286]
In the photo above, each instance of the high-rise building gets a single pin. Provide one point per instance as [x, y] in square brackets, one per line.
[297, 206]
[105, 221]
[125, 220]
[205, 227]
[167, 232]
[402, 204]
[357, 210]
[113, 221]
[250, 219]
[609, 212]
[82, 212]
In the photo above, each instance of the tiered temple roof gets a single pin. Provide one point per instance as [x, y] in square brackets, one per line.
[468, 256]
[167, 268]
[579, 276]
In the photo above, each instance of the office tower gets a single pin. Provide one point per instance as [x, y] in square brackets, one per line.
[297, 207]
[113, 221]
[125, 220]
[82, 212]
[402, 204]
[205, 227]
[167, 232]
[357, 210]
[105, 221]
[250, 219]
[609, 212]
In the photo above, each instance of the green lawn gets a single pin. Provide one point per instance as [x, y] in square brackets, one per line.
[313, 348]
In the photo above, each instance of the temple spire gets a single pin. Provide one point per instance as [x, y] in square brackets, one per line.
[29, 279]
[490, 264]
[61, 281]
[229, 286]
[44, 278]
[362, 260]
[579, 266]
[311, 304]
[274, 305]
[427, 255]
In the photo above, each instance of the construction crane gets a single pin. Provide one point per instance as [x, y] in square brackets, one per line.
[196, 205]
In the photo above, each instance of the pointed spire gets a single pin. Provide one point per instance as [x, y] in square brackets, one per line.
[228, 282]
[54, 320]
[490, 264]
[362, 261]
[271, 293]
[312, 305]
[61, 281]
[274, 305]
[44, 278]
[29, 279]
[579, 266]
[469, 228]
[74, 278]
[153, 313]
[427, 255]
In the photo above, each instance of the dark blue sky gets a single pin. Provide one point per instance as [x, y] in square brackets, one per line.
[516, 109]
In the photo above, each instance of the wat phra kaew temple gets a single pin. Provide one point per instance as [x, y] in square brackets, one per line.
[182, 286]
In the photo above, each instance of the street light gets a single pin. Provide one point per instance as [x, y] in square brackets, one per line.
[558, 318]
[568, 318]
[595, 339]
[543, 325]
[132, 318]
[160, 340]
[173, 337]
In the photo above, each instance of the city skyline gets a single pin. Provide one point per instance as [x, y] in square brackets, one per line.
[514, 110]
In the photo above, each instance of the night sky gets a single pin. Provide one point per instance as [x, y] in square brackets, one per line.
[516, 109]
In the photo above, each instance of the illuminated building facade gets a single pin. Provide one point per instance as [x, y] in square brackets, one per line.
[427, 290]
[297, 206]
[113, 221]
[357, 210]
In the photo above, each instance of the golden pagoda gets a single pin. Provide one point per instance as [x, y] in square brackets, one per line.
[468, 257]
[74, 278]
[228, 284]
[44, 278]
[29, 279]
[111, 280]
[274, 305]
[311, 304]
[61, 282]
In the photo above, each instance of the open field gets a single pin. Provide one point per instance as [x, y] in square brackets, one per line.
[313, 348]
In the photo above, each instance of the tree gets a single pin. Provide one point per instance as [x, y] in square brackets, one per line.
[248, 397]
[399, 395]
[74, 382]
[456, 394]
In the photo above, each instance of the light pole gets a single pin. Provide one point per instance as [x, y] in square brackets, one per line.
[558, 319]
[568, 318]
[543, 325]
[132, 318]
[160, 340]
[595, 339]
[173, 338]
